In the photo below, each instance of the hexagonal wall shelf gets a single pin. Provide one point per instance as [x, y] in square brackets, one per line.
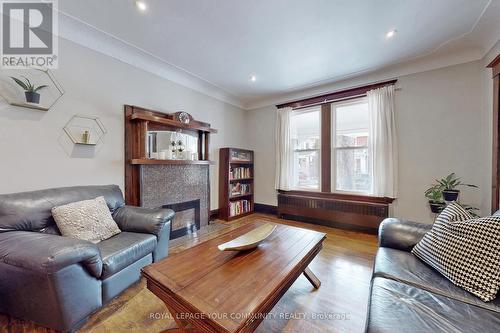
[14, 94]
[85, 130]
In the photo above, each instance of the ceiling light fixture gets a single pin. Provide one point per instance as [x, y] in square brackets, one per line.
[253, 78]
[391, 33]
[141, 5]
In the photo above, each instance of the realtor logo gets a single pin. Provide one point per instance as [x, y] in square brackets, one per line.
[29, 34]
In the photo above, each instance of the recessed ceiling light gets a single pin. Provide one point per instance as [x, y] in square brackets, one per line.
[141, 5]
[391, 33]
[253, 78]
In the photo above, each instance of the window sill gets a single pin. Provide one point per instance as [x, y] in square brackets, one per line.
[340, 196]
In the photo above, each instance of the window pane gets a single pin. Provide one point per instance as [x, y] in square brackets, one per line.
[305, 128]
[306, 169]
[351, 124]
[353, 170]
[305, 137]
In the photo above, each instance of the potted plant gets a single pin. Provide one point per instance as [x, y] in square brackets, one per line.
[435, 197]
[471, 209]
[449, 186]
[30, 90]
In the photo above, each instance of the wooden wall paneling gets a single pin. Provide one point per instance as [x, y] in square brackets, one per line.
[326, 149]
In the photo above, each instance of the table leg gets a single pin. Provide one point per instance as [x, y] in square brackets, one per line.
[312, 278]
[182, 325]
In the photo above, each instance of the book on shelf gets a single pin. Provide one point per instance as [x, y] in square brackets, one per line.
[238, 173]
[239, 207]
[240, 189]
[240, 156]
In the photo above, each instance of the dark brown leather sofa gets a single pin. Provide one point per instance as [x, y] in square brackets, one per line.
[59, 281]
[410, 296]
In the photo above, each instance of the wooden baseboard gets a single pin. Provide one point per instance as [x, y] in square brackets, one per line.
[265, 209]
[214, 214]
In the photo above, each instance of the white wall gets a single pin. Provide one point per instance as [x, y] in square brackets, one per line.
[440, 119]
[32, 145]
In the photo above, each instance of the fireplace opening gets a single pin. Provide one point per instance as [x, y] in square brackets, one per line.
[187, 218]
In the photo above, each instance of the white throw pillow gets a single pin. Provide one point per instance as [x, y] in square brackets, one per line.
[88, 220]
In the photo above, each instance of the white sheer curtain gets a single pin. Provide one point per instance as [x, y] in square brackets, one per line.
[383, 143]
[284, 156]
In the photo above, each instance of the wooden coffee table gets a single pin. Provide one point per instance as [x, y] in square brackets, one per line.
[208, 290]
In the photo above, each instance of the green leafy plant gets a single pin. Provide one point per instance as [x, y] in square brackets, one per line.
[471, 209]
[451, 182]
[434, 194]
[27, 85]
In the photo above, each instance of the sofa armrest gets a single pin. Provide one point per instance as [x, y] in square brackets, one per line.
[46, 253]
[154, 221]
[143, 220]
[401, 234]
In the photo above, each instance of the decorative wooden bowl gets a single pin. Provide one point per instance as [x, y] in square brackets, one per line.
[249, 240]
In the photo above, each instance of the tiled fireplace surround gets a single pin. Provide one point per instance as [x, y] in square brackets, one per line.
[181, 188]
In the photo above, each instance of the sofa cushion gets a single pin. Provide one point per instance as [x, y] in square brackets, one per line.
[405, 267]
[397, 307]
[124, 249]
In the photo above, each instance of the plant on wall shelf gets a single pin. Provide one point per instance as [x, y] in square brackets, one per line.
[471, 209]
[444, 190]
[30, 90]
[435, 196]
[449, 185]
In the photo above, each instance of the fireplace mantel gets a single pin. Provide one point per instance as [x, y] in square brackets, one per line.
[141, 170]
[139, 161]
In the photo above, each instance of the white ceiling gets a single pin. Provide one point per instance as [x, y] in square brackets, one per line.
[288, 44]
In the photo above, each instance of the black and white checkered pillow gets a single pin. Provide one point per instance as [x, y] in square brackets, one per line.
[465, 250]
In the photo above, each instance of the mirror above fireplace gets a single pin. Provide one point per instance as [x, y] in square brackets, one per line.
[172, 145]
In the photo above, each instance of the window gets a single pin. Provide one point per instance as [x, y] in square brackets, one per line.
[326, 144]
[351, 160]
[305, 142]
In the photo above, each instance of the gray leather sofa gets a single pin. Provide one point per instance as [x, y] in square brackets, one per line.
[59, 281]
[410, 296]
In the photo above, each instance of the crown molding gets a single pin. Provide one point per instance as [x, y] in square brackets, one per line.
[81, 33]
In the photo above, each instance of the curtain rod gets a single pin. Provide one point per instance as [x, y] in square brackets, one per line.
[337, 100]
[337, 95]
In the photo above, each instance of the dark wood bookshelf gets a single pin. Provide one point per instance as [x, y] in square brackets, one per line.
[231, 159]
[238, 196]
[240, 179]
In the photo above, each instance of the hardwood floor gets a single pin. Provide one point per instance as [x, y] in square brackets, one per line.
[344, 267]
